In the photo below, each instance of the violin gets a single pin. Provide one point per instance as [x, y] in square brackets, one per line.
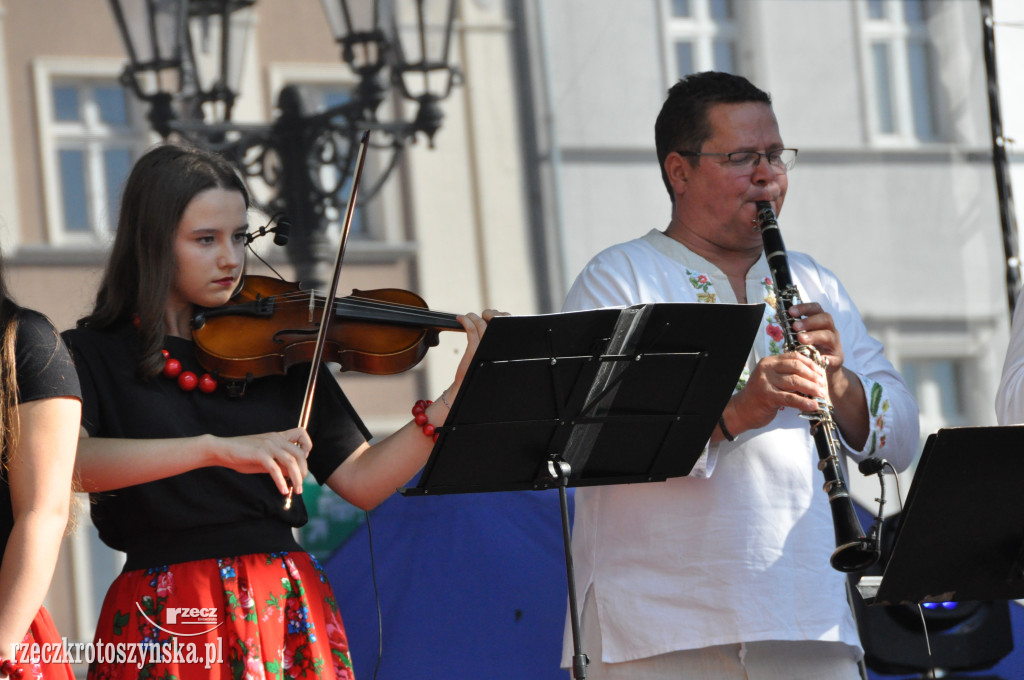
[271, 325]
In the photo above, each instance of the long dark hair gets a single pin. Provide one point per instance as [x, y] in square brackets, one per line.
[141, 268]
[9, 422]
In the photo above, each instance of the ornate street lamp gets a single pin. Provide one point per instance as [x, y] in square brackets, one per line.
[186, 59]
[420, 45]
[171, 60]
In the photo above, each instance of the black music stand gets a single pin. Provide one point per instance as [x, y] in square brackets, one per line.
[608, 396]
[961, 534]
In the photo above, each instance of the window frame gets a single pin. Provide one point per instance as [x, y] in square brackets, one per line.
[702, 31]
[55, 136]
[897, 35]
[971, 348]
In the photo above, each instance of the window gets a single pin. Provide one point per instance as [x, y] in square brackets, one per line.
[939, 386]
[701, 36]
[91, 139]
[377, 226]
[321, 98]
[317, 97]
[899, 70]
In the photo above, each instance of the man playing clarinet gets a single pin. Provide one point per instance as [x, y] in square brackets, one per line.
[725, 574]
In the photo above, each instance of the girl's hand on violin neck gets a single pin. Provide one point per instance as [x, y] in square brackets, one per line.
[282, 455]
[475, 326]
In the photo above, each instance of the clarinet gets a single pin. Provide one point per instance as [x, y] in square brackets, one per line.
[854, 552]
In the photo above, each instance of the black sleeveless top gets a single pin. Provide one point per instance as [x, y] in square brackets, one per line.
[210, 512]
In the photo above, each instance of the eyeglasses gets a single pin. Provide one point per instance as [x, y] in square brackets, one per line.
[782, 160]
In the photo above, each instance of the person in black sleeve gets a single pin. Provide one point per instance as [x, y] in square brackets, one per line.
[40, 412]
[188, 480]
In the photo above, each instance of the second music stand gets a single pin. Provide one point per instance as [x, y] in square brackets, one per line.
[961, 535]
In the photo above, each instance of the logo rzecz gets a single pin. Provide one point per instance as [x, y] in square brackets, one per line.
[184, 618]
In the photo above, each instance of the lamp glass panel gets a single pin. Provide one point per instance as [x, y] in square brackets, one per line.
[427, 41]
[422, 36]
[214, 63]
[335, 18]
[354, 24]
[346, 17]
[240, 24]
[205, 35]
[154, 29]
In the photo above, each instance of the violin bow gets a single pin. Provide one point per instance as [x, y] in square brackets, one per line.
[321, 337]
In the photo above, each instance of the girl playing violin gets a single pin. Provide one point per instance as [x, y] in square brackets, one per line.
[39, 416]
[189, 482]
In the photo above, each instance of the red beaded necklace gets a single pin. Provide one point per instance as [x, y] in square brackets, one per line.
[187, 380]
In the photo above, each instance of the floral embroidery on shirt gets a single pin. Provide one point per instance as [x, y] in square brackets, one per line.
[702, 284]
[878, 404]
[878, 408]
[706, 293]
[771, 322]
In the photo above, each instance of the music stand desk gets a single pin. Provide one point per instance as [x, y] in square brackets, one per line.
[607, 396]
[961, 533]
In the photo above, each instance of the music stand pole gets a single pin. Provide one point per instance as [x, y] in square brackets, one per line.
[560, 470]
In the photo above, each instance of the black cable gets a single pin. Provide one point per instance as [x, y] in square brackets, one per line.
[278, 231]
[267, 264]
[281, 238]
[376, 597]
[920, 609]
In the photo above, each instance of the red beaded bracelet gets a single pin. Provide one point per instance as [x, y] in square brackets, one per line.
[10, 670]
[419, 416]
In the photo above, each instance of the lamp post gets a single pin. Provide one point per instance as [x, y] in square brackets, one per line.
[186, 58]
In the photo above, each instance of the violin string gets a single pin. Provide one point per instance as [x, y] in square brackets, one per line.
[411, 310]
[413, 315]
[366, 304]
[303, 298]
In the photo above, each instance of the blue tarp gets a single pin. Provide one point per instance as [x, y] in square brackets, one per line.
[471, 586]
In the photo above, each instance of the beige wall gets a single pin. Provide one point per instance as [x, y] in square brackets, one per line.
[45, 28]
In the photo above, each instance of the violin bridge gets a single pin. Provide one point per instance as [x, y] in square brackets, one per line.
[312, 306]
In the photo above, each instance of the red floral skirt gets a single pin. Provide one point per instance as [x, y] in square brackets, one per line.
[43, 635]
[268, 615]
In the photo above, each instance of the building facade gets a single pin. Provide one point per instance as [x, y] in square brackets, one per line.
[894, 186]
